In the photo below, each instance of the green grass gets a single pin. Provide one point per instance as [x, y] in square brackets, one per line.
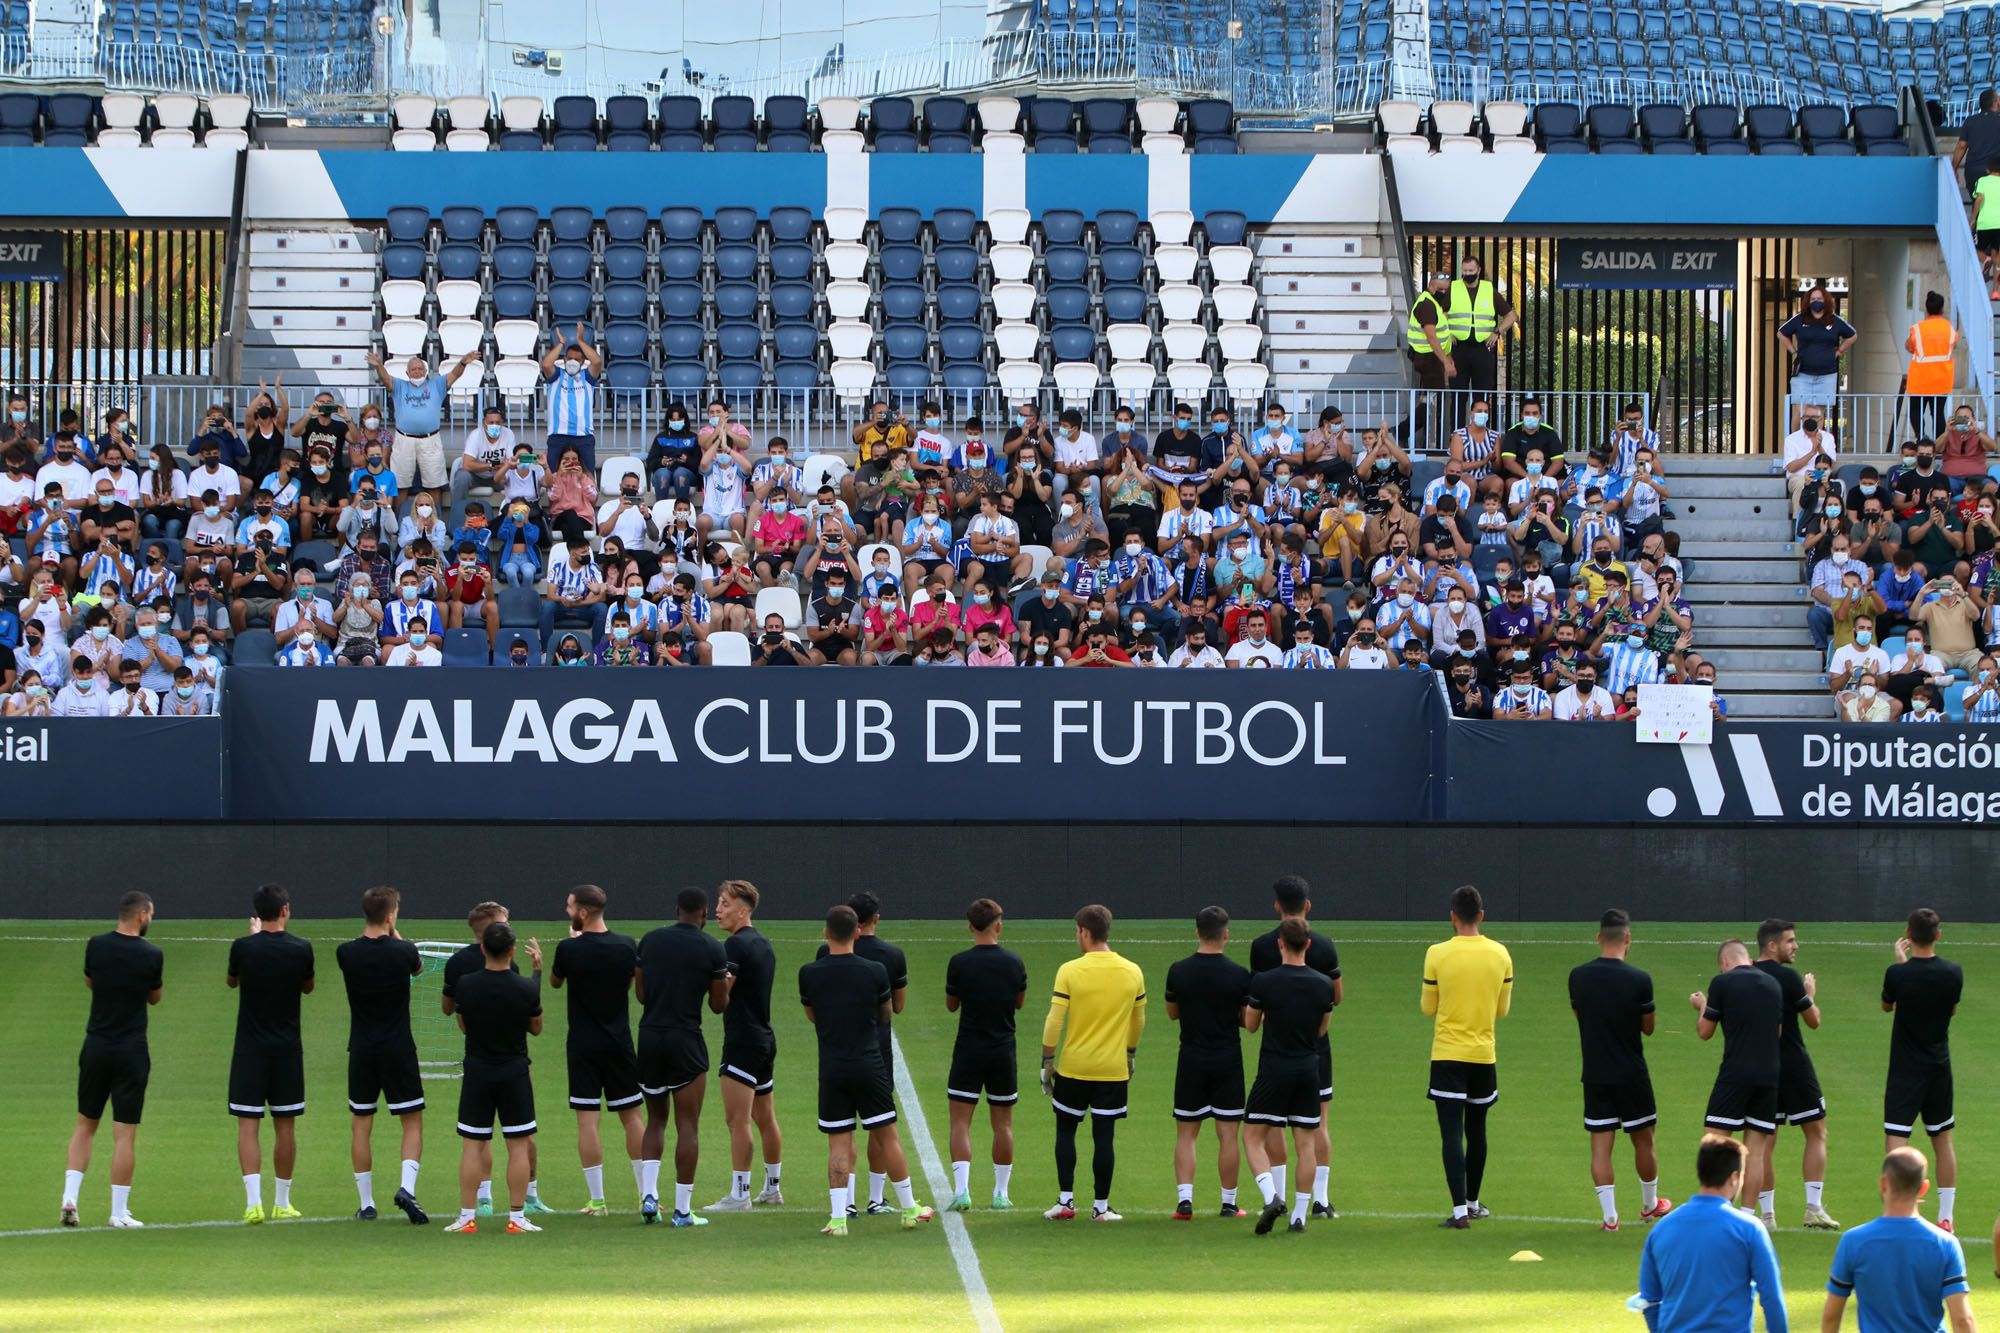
[1381, 1266]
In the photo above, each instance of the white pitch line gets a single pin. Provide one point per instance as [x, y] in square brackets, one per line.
[955, 1233]
[165, 1226]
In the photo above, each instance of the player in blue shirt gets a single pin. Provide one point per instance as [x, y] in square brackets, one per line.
[1906, 1273]
[1707, 1260]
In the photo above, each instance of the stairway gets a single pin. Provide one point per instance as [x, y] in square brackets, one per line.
[310, 309]
[1744, 584]
[1333, 313]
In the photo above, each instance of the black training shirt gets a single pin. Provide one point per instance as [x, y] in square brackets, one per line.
[748, 1017]
[1611, 997]
[124, 971]
[1294, 1000]
[464, 963]
[677, 963]
[1210, 989]
[1751, 1009]
[878, 950]
[1321, 956]
[377, 970]
[496, 1008]
[596, 969]
[271, 969]
[986, 980]
[846, 993]
[1924, 991]
[1791, 1041]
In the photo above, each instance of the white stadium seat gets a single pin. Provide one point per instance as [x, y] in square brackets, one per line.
[458, 298]
[821, 469]
[1020, 378]
[866, 557]
[1514, 144]
[782, 601]
[516, 337]
[1171, 226]
[403, 338]
[227, 141]
[1246, 379]
[845, 223]
[413, 141]
[402, 298]
[229, 111]
[611, 470]
[1016, 341]
[1158, 115]
[1163, 145]
[728, 648]
[1452, 118]
[853, 379]
[1133, 379]
[842, 141]
[999, 114]
[456, 337]
[1011, 262]
[1229, 263]
[1128, 342]
[1038, 557]
[849, 339]
[1004, 145]
[414, 112]
[1076, 380]
[469, 113]
[1180, 301]
[1239, 342]
[1007, 226]
[176, 111]
[518, 377]
[470, 384]
[1013, 300]
[839, 113]
[466, 141]
[123, 111]
[847, 299]
[1399, 116]
[1184, 342]
[1189, 379]
[521, 113]
[1506, 120]
[109, 137]
[1408, 145]
[1460, 144]
[846, 260]
[1234, 302]
[164, 137]
[1174, 263]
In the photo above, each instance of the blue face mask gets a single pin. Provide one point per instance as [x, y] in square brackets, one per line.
[1479, 418]
[1182, 423]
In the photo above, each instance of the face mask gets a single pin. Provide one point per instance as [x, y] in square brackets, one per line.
[1349, 507]
[211, 511]
[409, 594]
[621, 632]
[360, 586]
[932, 423]
[1183, 423]
[1864, 637]
[571, 657]
[1274, 424]
[1833, 510]
[1138, 625]
[1220, 427]
[1384, 464]
[1094, 616]
[1961, 425]
[1916, 647]
[1866, 691]
[1479, 418]
[420, 374]
[18, 417]
[1919, 707]
[1867, 488]
[1457, 604]
[780, 506]
[885, 605]
[1020, 419]
[981, 598]
[1817, 307]
[1840, 557]
[1923, 462]
[835, 591]
[1520, 654]
[1050, 594]
[1531, 424]
[1041, 650]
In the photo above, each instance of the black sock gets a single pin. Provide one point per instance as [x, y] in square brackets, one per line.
[1066, 1153]
[1451, 1130]
[1104, 1155]
[1475, 1149]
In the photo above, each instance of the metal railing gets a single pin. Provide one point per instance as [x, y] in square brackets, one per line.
[1479, 84]
[1972, 307]
[1873, 423]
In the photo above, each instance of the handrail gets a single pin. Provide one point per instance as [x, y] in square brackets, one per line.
[1972, 307]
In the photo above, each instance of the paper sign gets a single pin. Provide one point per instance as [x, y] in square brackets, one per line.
[1676, 715]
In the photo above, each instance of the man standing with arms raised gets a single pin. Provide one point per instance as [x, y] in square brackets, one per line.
[1292, 899]
[1096, 1014]
[1750, 1009]
[1613, 1002]
[1922, 990]
[270, 969]
[749, 1049]
[1468, 987]
[596, 963]
[381, 1053]
[124, 975]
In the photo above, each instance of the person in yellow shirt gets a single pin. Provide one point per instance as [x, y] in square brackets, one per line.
[1468, 986]
[1096, 1015]
[1342, 535]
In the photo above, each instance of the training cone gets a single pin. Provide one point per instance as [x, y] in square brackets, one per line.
[1524, 1257]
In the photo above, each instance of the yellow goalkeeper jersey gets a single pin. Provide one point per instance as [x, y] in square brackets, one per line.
[1100, 998]
[1468, 984]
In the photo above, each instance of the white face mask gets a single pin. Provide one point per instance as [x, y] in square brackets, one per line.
[573, 365]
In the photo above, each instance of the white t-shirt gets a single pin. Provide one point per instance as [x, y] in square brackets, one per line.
[405, 655]
[1207, 657]
[74, 476]
[1245, 654]
[223, 481]
[722, 488]
[1571, 706]
[72, 702]
[1083, 449]
[125, 485]
[1851, 657]
[1368, 659]
[1798, 445]
[13, 490]
[631, 525]
[140, 703]
[477, 446]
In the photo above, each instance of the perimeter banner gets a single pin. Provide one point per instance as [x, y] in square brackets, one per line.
[900, 746]
[91, 768]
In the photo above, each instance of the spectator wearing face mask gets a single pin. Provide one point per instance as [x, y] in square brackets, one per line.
[1383, 466]
[323, 493]
[1032, 487]
[1522, 700]
[1581, 700]
[419, 647]
[323, 425]
[1078, 458]
[1809, 458]
[1628, 662]
[83, 695]
[1917, 666]
[416, 451]
[1862, 653]
[305, 650]
[1469, 698]
[186, 698]
[571, 372]
[1394, 525]
[466, 587]
[488, 448]
[1934, 536]
[1981, 698]
[1532, 432]
[1965, 448]
[568, 652]
[517, 545]
[1830, 584]
[931, 449]
[622, 645]
[628, 517]
[1307, 652]
[673, 461]
[1816, 339]
[1343, 536]
[833, 621]
[940, 650]
[368, 516]
[1364, 650]
[1857, 602]
[882, 426]
[1952, 623]
[1474, 446]
[1923, 706]
[989, 649]
[1255, 648]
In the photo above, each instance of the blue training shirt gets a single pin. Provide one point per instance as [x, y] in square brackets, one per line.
[1703, 1264]
[1899, 1271]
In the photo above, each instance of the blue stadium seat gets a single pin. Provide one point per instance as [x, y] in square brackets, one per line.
[948, 125]
[735, 261]
[1124, 305]
[680, 124]
[1067, 304]
[795, 342]
[1663, 123]
[406, 222]
[627, 123]
[785, 124]
[1887, 148]
[1558, 122]
[685, 378]
[789, 223]
[628, 377]
[738, 342]
[521, 141]
[680, 223]
[566, 262]
[801, 376]
[899, 224]
[892, 125]
[625, 300]
[962, 344]
[570, 223]
[575, 120]
[459, 262]
[1767, 123]
[1780, 148]
[790, 260]
[625, 222]
[1054, 122]
[516, 222]
[513, 300]
[1610, 123]
[1224, 227]
[520, 614]
[1834, 148]
[20, 111]
[952, 226]
[1117, 226]
[735, 301]
[1822, 124]
[1070, 342]
[1123, 264]
[681, 259]
[791, 300]
[957, 303]
[902, 302]
[569, 301]
[734, 119]
[734, 222]
[681, 342]
[680, 300]
[1714, 123]
[1107, 125]
[72, 111]
[1213, 121]
[902, 263]
[955, 263]
[625, 263]
[1066, 263]
[1062, 226]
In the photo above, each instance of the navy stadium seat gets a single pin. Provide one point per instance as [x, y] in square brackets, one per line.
[902, 302]
[791, 224]
[1225, 227]
[791, 260]
[680, 300]
[625, 340]
[734, 122]
[680, 223]
[462, 222]
[403, 260]
[1117, 226]
[1067, 305]
[795, 342]
[735, 300]
[569, 301]
[624, 300]
[902, 263]
[570, 223]
[735, 261]
[681, 260]
[1124, 305]
[566, 263]
[791, 300]
[516, 222]
[406, 222]
[513, 300]
[625, 263]
[625, 222]
[953, 226]
[892, 125]
[1070, 342]
[680, 124]
[785, 124]
[1062, 226]
[733, 222]
[957, 303]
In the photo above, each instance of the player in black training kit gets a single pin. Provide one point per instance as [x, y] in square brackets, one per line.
[470, 959]
[848, 1000]
[1293, 1004]
[749, 1049]
[270, 969]
[680, 966]
[1799, 1099]
[984, 985]
[123, 973]
[1922, 990]
[381, 1053]
[498, 1010]
[1206, 992]
[597, 964]
[867, 944]
[1750, 1009]
[1613, 1001]
[1291, 897]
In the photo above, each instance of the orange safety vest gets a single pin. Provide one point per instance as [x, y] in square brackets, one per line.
[1931, 368]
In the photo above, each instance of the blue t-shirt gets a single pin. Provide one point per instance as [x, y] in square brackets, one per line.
[420, 407]
[1819, 344]
[1899, 1270]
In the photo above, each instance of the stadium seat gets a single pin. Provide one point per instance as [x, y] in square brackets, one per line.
[728, 648]
[466, 647]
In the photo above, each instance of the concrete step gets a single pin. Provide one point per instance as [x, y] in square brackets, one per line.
[1720, 619]
[1711, 486]
[1356, 245]
[1275, 287]
[1722, 569]
[1790, 635]
[1706, 551]
[1731, 465]
[1764, 528]
[1732, 507]
[1746, 594]
[1786, 659]
[1753, 707]
[1777, 682]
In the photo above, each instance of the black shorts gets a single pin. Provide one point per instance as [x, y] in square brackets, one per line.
[1913, 1097]
[855, 1098]
[1799, 1099]
[1285, 1096]
[669, 1061]
[483, 1099]
[1079, 1097]
[1610, 1107]
[260, 1078]
[990, 1071]
[1988, 239]
[1464, 1081]
[1208, 1089]
[603, 1071]
[751, 1065]
[388, 1076]
[1734, 1106]
[115, 1072]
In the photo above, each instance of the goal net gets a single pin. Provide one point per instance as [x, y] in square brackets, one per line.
[440, 1045]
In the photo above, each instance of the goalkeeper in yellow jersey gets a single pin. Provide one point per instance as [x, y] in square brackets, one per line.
[1096, 1015]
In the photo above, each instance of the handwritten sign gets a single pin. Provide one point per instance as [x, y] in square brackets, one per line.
[1676, 715]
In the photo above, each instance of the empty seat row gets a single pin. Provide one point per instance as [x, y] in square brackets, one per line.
[1719, 129]
[124, 120]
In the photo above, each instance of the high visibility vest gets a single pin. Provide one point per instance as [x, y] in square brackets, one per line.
[1931, 368]
[1472, 311]
[1440, 331]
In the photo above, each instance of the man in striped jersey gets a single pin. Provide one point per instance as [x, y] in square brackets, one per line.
[1628, 661]
[1305, 653]
[1522, 700]
[572, 373]
[1982, 696]
[576, 589]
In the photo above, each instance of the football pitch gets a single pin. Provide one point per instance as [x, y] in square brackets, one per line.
[1382, 1265]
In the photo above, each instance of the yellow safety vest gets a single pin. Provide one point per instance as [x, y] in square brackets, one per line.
[1472, 311]
[1440, 333]
[1931, 369]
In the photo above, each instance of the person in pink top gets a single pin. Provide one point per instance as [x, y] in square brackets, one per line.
[940, 610]
[775, 539]
[985, 609]
[988, 648]
[885, 630]
[572, 496]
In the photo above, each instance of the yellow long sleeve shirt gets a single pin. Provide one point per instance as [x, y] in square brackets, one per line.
[1468, 985]
[1100, 998]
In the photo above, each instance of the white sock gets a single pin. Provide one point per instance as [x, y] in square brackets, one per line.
[517, 1214]
[683, 1197]
[850, 1189]
[465, 1214]
[1267, 1186]
[1947, 1196]
[1229, 1196]
[961, 1177]
[364, 1185]
[649, 1178]
[253, 1191]
[1459, 1210]
[534, 1191]
[739, 1184]
[905, 1196]
[1472, 1205]
[1100, 1205]
[1767, 1202]
[771, 1170]
[410, 1168]
[281, 1193]
[121, 1196]
[1002, 1175]
[486, 1191]
[1184, 1192]
[1649, 1194]
[876, 1181]
[1301, 1204]
[1067, 1198]
[1607, 1202]
[72, 1185]
[593, 1182]
[1813, 1188]
[1322, 1176]
[639, 1178]
[837, 1198]
[1278, 1178]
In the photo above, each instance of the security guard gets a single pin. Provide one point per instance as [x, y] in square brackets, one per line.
[1430, 350]
[1932, 344]
[1480, 317]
